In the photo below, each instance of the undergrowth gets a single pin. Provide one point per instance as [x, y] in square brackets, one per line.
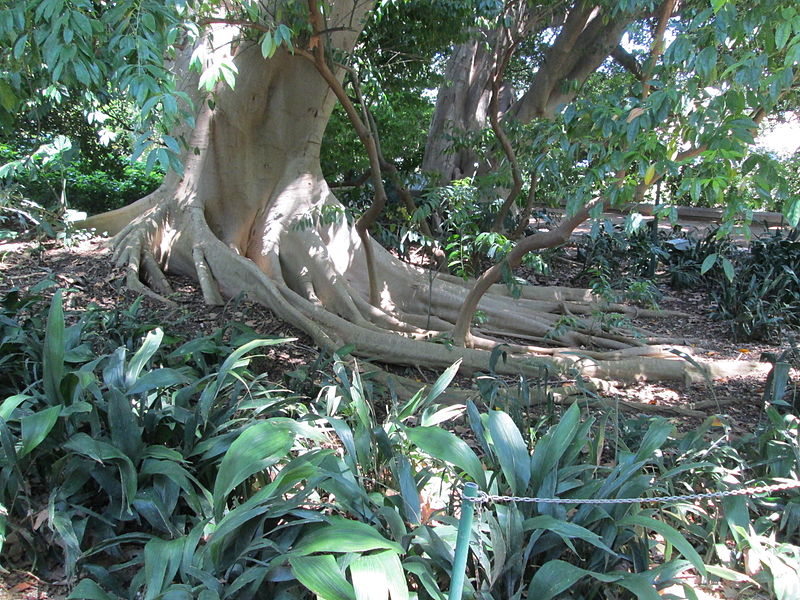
[137, 465]
[754, 290]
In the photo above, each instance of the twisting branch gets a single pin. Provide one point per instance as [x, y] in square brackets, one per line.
[316, 53]
[657, 48]
[508, 41]
[536, 241]
[504, 49]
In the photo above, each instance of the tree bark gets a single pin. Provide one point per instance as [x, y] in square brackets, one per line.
[585, 39]
[462, 106]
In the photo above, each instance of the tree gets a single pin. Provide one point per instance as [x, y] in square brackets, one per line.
[237, 97]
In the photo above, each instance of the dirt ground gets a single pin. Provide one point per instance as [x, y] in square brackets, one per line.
[87, 275]
[85, 272]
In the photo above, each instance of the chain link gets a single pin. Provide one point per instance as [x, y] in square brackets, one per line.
[483, 497]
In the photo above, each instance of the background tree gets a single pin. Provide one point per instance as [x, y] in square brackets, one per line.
[236, 99]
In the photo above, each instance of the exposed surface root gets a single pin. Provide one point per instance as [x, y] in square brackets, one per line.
[334, 309]
[207, 282]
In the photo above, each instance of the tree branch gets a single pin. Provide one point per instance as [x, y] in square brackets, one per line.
[627, 61]
[657, 47]
[536, 241]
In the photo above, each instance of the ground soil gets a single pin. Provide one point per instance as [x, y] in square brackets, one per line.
[84, 270]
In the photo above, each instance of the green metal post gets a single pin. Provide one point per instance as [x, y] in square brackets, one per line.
[462, 542]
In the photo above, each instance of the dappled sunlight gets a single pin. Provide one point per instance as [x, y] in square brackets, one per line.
[387, 303]
[169, 237]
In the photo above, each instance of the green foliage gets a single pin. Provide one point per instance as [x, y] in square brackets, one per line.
[464, 220]
[119, 444]
[755, 290]
[685, 260]
[763, 296]
[77, 183]
[75, 53]
[203, 480]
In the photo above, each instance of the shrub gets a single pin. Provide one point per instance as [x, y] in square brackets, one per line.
[763, 297]
[170, 470]
[85, 187]
[112, 448]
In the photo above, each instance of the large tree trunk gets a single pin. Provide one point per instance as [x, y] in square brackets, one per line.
[461, 107]
[586, 37]
[252, 214]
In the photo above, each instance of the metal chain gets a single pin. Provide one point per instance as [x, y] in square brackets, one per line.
[483, 497]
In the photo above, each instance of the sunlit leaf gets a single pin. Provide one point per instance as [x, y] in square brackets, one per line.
[446, 446]
[322, 575]
[343, 535]
[258, 447]
[379, 576]
[671, 535]
[511, 450]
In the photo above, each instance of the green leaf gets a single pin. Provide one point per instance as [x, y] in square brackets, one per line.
[404, 476]
[737, 516]
[728, 574]
[53, 351]
[422, 569]
[35, 428]
[566, 530]
[553, 578]
[322, 576]
[706, 62]
[718, 4]
[445, 446]
[258, 447]
[556, 576]
[89, 590]
[232, 362]
[284, 33]
[343, 535]
[103, 452]
[708, 263]
[10, 404]
[161, 561]
[671, 535]
[511, 451]
[8, 99]
[791, 209]
[149, 347]
[441, 383]
[268, 45]
[727, 267]
[657, 433]
[782, 34]
[345, 434]
[19, 52]
[641, 587]
[126, 433]
[158, 379]
[378, 576]
[208, 79]
[649, 174]
[554, 444]
[148, 20]
[229, 71]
